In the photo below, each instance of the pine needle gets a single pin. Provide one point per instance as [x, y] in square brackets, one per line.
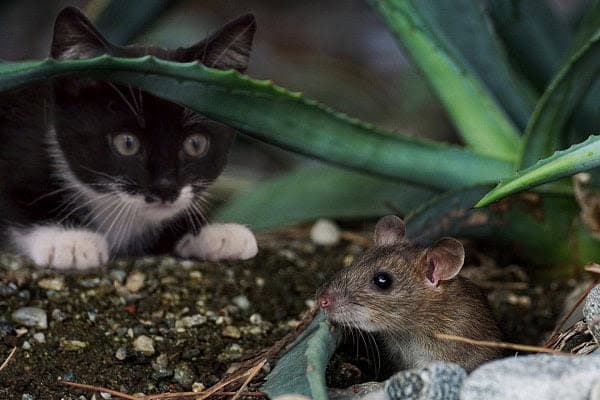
[502, 345]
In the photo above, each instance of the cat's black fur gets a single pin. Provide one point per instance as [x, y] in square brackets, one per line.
[57, 135]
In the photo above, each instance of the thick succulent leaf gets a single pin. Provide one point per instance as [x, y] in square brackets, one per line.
[277, 116]
[451, 214]
[301, 369]
[577, 158]
[527, 225]
[587, 116]
[122, 21]
[546, 129]
[312, 192]
[482, 122]
[466, 32]
[535, 38]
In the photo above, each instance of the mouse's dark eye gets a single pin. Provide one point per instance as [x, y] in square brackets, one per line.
[382, 280]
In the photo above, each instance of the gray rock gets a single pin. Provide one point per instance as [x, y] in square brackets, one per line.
[184, 374]
[31, 316]
[438, 381]
[591, 312]
[144, 345]
[541, 376]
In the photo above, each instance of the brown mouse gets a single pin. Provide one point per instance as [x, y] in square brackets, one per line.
[407, 293]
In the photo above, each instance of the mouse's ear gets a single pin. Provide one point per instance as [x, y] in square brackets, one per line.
[389, 231]
[443, 260]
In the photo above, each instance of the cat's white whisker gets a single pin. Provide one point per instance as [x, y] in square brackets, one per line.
[133, 99]
[124, 98]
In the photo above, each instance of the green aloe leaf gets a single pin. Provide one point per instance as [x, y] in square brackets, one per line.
[545, 131]
[483, 124]
[312, 192]
[536, 39]
[301, 369]
[577, 158]
[587, 116]
[122, 21]
[466, 32]
[277, 116]
[526, 225]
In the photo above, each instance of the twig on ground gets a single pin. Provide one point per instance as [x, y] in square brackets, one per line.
[99, 389]
[592, 267]
[502, 345]
[251, 374]
[10, 356]
[157, 396]
[562, 321]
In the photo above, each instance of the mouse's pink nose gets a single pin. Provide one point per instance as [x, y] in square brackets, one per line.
[324, 300]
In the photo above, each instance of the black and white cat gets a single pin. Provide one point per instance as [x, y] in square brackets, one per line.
[90, 169]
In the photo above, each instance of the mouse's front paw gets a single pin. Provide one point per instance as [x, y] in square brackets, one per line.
[218, 242]
[60, 248]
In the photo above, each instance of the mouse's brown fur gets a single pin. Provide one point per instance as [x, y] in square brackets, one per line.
[409, 312]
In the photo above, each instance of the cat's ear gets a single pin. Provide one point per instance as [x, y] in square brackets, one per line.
[75, 37]
[228, 48]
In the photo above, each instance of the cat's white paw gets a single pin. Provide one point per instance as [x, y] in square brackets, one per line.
[218, 242]
[61, 248]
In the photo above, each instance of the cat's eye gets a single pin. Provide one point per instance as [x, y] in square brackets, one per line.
[196, 145]
[126, 144]
[383, 280]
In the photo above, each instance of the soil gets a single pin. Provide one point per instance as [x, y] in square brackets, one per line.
[199, 319]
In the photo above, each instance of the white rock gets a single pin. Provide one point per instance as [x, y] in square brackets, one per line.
[241, 301]
[540, 377]
[52, 283]
[292, 397]
[39, 337]
[144, 345]
[325, 233]
[135, 281]
[31, 316]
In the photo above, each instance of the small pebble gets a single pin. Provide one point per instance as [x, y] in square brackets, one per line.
[184, 374]
[292, 397]
[26, 345]
[190, 321]
[57, 284]
[256, 319]
[72, 345]
[118, 275]
[260, 282]
[59, 315]
[325, 233]
[144, 345]
[198, 387]
[121, 354]
[160, 362]
[135, 281]
[26, 396]
[39, 337]
[232, 332]
[31, 316]
[241, 301]
[89, 283]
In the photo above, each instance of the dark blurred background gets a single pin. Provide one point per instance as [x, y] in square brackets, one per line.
[336, 51]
